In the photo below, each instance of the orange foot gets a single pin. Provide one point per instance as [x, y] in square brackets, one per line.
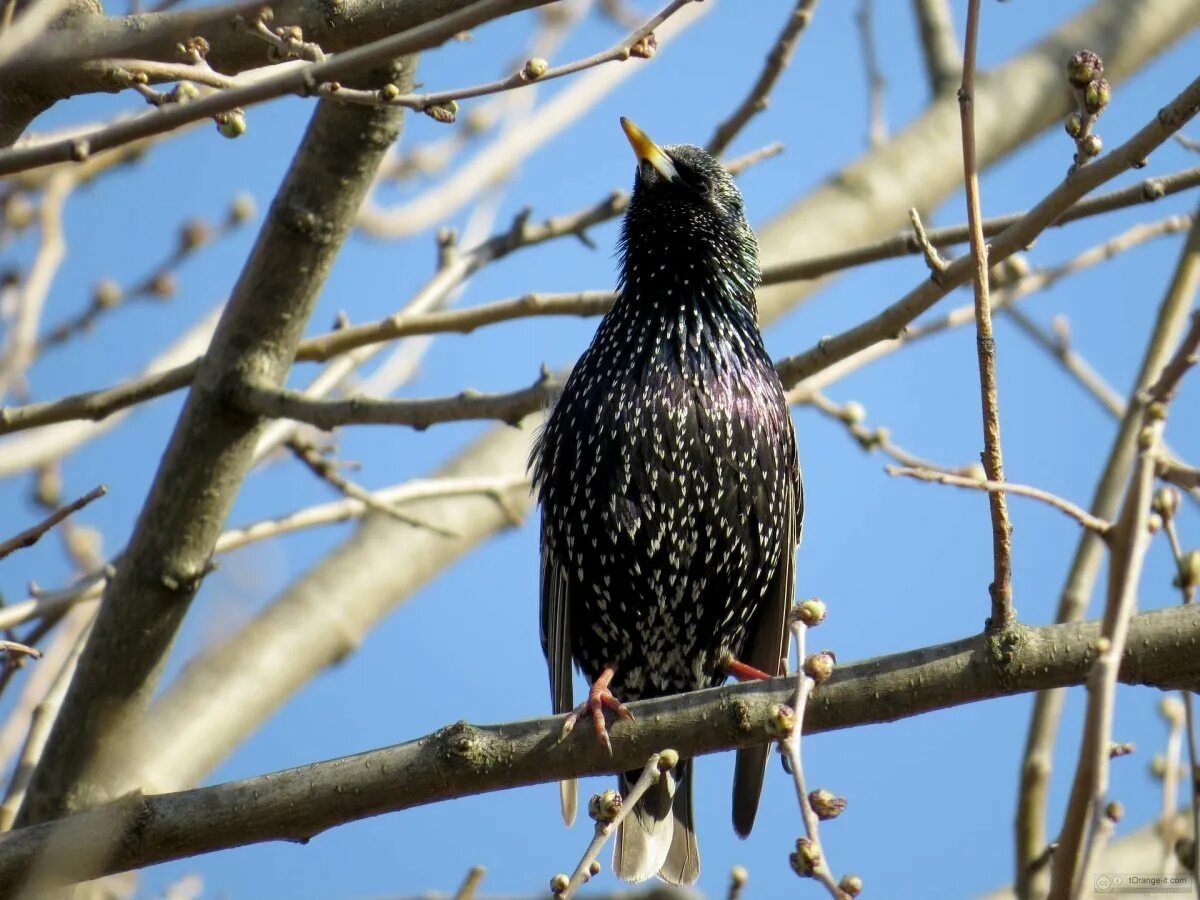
[741, 671]
[599, 699]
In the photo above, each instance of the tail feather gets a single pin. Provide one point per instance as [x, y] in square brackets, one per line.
[645, 834]
[748, 776]
[568, 798]
[658, 837]
[682, 866]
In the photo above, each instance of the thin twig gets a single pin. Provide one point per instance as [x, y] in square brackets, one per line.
[817, 863]
[756, 100]
[20, 349]
[31, 536]
[656, 767]
[158, 283]
[19, 649]
[937, 264]
[90, 587]
[297, 79]
[40, 723]
[1003, 614]
[101, 403]
[1082, 826]
[632, 45]
[877, 117]
[1078, 513]
[471, 883]
[852, 415]
[1187, 477]
[1186, 356]
[326, 470]
[1172, 711]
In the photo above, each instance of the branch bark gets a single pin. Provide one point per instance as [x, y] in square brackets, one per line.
[462, 759]
[210, 451]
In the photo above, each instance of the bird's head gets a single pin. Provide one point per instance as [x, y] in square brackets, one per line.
[686, 213]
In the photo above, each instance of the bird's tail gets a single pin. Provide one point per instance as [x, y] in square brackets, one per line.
[658, 837]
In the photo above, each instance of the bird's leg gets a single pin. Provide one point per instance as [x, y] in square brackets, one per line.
[599, 698]
[740, 670]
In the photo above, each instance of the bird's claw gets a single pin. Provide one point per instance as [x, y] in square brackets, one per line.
[599, 699]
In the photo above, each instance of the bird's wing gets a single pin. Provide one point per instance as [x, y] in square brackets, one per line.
[768, 652]
[556, 644]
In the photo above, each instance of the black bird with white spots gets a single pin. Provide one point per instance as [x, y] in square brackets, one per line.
[670, 489]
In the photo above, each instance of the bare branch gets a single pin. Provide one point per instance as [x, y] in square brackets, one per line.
[1000, 589]
[1078, 513]
[877, 118]
[1129, 542]
[31, 536]
[99, 404]
[756, 100]
[809, 859]
[1185, 356]
[461, 759]
[293, 79]
[170, 551]
[531, 73]
[1178, 474]
[943, 59]
[892, 320]
[1031, 838]
[329, 414]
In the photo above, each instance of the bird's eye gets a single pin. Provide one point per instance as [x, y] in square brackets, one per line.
[696, 182]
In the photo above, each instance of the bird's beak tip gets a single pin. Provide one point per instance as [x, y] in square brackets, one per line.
[647, 151]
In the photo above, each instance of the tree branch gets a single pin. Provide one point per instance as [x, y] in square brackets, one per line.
[943, 59]
[31, 536]
[1000, 589]
[1031, 838]
[101, 403]
[291, 79]
[462, 759]
[168, 555]
[778, 58]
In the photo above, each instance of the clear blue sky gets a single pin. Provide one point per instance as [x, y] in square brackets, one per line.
[901, 565]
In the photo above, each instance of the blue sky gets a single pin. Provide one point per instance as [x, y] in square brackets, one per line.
[901, 565]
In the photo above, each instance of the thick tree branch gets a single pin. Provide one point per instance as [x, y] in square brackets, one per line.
[462, 759]
[210, 451]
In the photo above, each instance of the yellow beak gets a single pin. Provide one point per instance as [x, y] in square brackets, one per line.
[649, 152]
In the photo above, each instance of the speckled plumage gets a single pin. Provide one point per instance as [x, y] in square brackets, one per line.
[668, 479]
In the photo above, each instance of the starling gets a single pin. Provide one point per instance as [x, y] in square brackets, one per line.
[670, 490]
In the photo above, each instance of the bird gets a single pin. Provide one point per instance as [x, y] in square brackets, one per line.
[670, 491]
